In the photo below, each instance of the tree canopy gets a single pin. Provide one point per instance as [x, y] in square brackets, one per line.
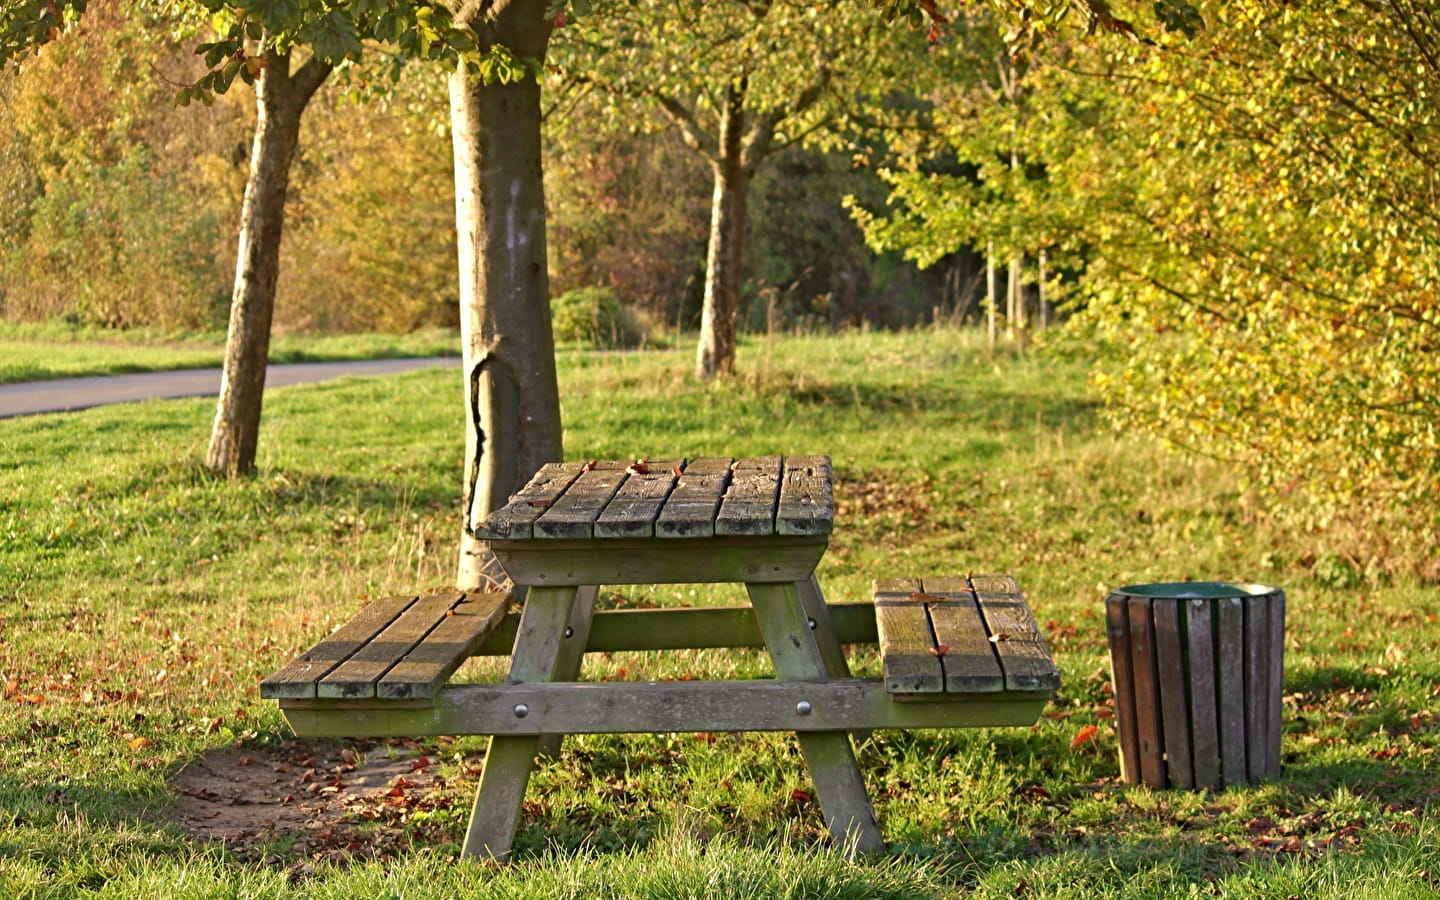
[1250, 220]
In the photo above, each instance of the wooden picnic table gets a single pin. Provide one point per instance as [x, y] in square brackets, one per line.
[763, 522]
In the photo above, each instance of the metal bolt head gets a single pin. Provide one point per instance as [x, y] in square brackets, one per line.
[803, 708]
[521, 710]
[569, 632]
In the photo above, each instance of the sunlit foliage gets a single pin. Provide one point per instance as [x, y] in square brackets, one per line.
[1253, 213]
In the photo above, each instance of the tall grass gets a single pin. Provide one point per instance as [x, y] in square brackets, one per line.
[141, 600]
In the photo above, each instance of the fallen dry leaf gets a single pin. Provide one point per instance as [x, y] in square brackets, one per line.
[940, 650]
[1085, 734]
[998, 637]
[922, 597]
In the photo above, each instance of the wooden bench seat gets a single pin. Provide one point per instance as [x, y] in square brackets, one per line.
[946, 637]
[398, 648]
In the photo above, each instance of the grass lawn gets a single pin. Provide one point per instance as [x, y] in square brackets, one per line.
[141, 601]
[37, 352]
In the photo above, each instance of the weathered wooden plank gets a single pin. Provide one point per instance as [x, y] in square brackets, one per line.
[515, 520]
[709, 465]
[636, 505]
[674, 561]
[674, 706]
[748, 507]
[807, 499]
[1148, 727]
[1257, 686]
[425, 668]
[906, 642]
[357, 675]
[573, 514]
[1117, 627]
[690, 510]
[1275, 605]
[1230, 672]
[1174, 712]
[620, 630]
[1019, 645]
[297, 679]
[970, 661]
[829, 756]
[1204, 721]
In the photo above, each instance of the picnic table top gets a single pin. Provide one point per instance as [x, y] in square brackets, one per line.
[754, 496]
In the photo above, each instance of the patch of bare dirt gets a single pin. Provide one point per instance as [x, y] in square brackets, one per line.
[317, 801]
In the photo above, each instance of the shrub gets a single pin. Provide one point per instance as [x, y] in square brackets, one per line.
[594, 317]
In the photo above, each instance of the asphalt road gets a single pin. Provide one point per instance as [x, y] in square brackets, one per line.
[65, 394]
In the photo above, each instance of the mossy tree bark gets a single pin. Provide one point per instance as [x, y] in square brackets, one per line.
[280, 98]
[724, 261]
[512, 397]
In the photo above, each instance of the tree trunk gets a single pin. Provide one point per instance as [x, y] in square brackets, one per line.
[1016, 290]
[719, 317]
[1043, 302]
[512, 397]
[280, 99]
[992, 292]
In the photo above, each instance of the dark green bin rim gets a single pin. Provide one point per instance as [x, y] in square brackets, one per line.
[1197, 590]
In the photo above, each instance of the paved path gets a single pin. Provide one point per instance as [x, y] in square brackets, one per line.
[65, 394]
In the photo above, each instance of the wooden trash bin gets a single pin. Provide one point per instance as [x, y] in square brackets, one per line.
[1198, 674]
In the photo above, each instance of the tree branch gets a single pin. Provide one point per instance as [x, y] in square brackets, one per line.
[307, 79]
[759, 141]
[691, 131]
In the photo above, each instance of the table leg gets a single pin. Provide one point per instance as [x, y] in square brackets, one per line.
[785, 622]
[509, 760]
[836, 666]
[571, 656]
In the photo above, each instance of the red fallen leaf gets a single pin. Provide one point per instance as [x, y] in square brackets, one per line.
[560, 20]
[998, 637]
[538, 504]
[638, 468]
[588, 466]
[1104, 713]
[420, 764]
[449, 612]
[1085, 734]
[396, 791]
[244, 761]
[921, 597]
[401, 782]
[1058, 713]
[1260, 825]
[940, 650]
[1036, 790]
[676, 470]
[1387, 753]
[33, 699]
[800, 796]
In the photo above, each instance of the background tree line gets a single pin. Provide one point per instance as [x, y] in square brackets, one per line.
[1236, 204]
[119, 208]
